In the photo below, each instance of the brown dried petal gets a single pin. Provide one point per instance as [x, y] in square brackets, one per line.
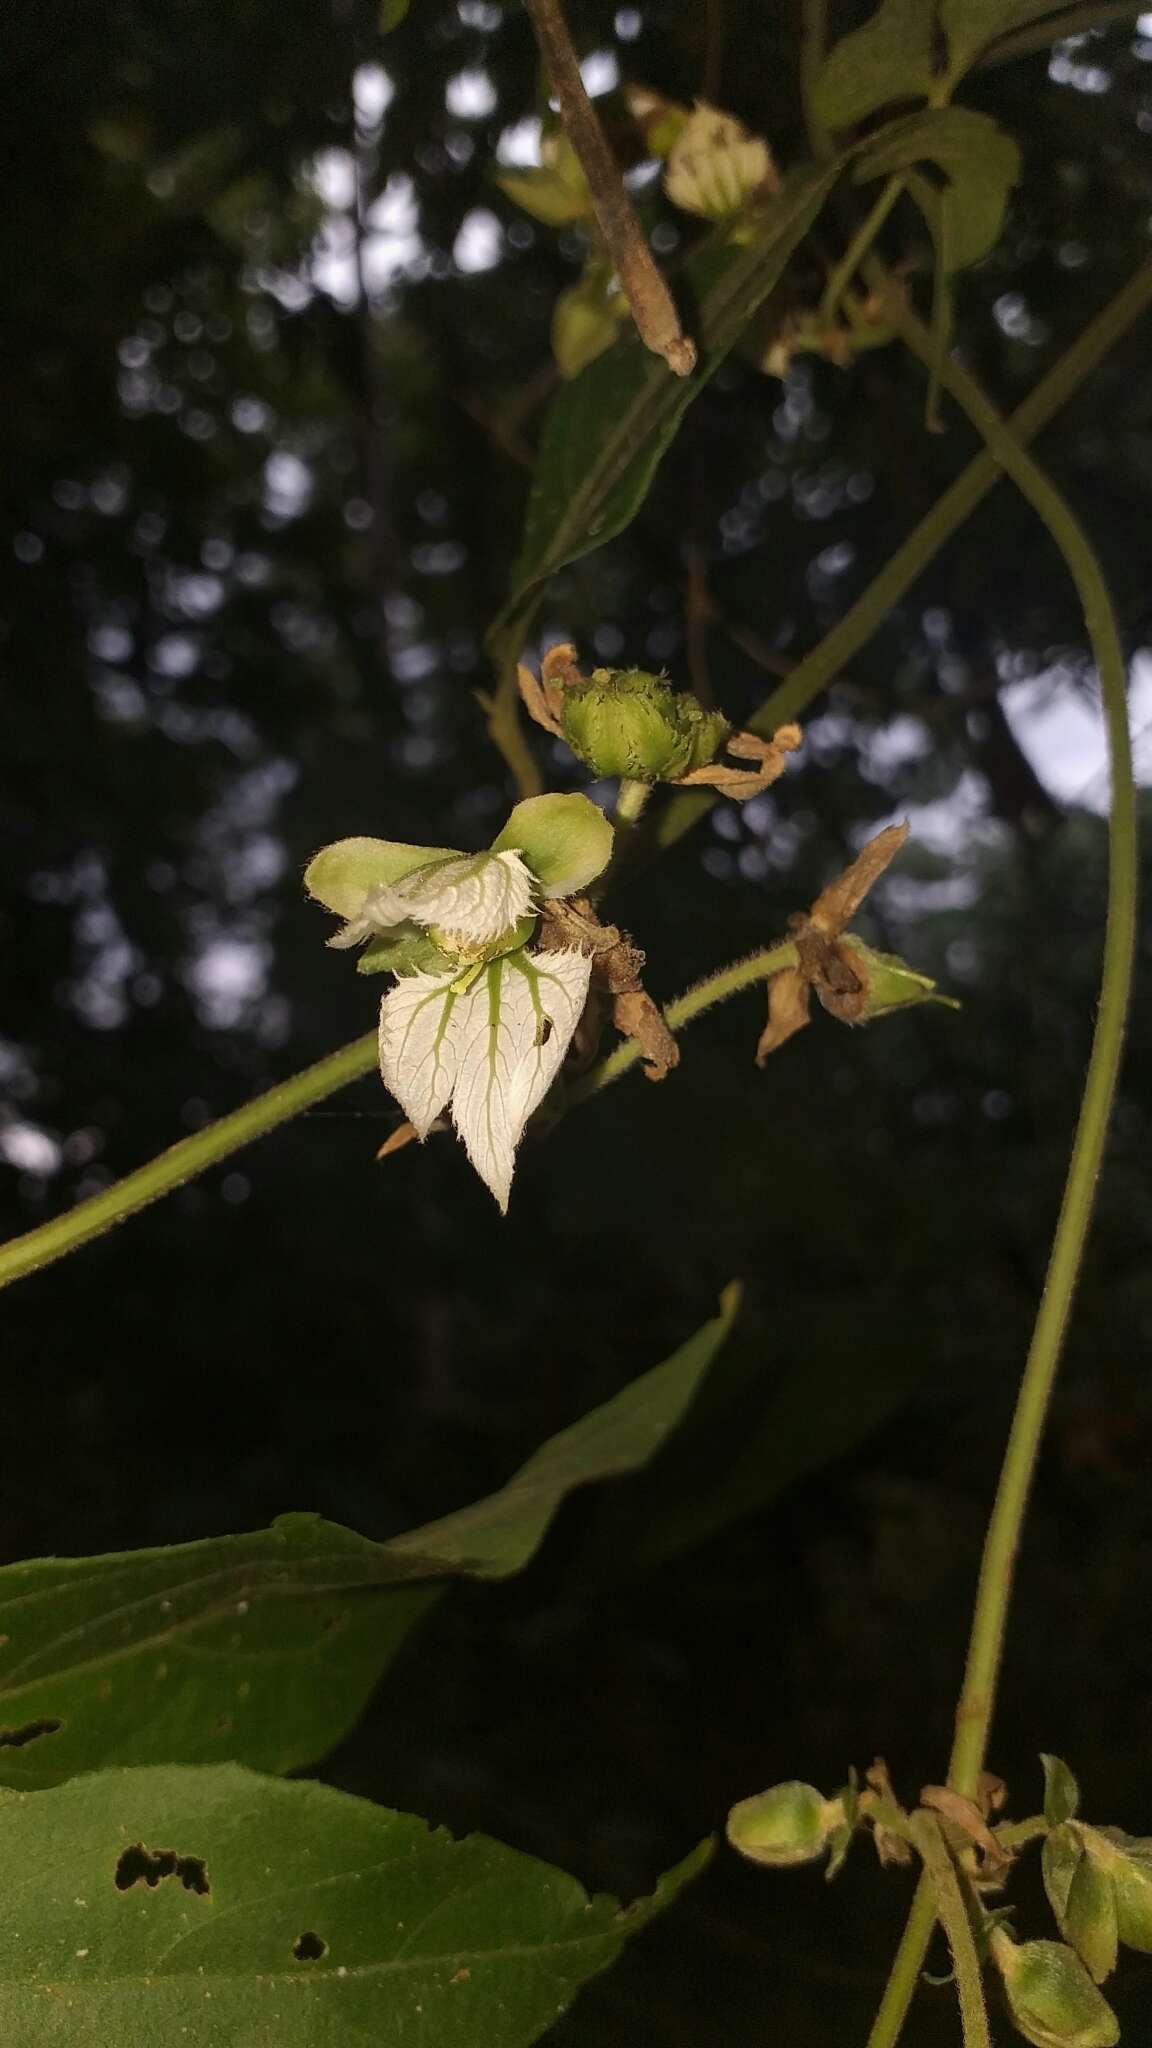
[397, 1139]
[838, 977]
[836, 906]
[789, 999]
[636, 1016]
[966, 1815]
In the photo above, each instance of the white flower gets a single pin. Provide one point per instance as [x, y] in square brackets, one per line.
[468, 901]
[490, 1050]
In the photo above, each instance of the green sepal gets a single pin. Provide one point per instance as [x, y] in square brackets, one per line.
[1061, 1792]
[404, 950]
[1051, 1998]
[1089, 1922]
[790, 1823]
[891, 984]
[340, 875]
[565, 840]
[1128, 1862]
[629, 723]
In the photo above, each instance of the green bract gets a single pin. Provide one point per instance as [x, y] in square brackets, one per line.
[790, 1823]
[626, 722]
[427, 909]
[1051, 1997]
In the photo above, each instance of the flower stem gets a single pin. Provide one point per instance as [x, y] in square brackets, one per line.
[951, 1910]
[858, 248]
[182, 1162]
[729, 981]
[1001, 1543]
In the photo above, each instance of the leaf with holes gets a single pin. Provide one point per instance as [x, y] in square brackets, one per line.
[265, 1647]
[609, 427]
[222, 1907]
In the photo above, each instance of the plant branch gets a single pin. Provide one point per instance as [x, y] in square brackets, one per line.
[728, 981]
[1001, 1544]
[184, 1161]
[895, 579]
[951, 1910]
[653, 308]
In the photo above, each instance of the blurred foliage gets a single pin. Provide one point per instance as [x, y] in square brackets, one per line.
[278, 359]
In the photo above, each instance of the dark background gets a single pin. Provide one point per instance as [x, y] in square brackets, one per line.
[252, 539]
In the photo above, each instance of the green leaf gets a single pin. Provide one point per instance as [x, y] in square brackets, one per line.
[565, 840]
[608, 428]
[980, 162]
[392, 13]
[1061, 1792]
[970, 25]
[262, 1647]
[265, 1647]
[406, 949]
[499, 1535]
[1061, 1857]
[890, 58]
[340, 875]
[1051, 1997]
[1089, 1921]
[290, 1914]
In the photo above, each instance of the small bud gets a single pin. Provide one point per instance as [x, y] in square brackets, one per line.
[889, 983]
[715, 168]
[791, 1823]
[626, 722]
[1051, 1998]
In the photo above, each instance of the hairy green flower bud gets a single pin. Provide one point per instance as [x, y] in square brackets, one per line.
[1051, 1997]
[790, 1823]
[626, 722]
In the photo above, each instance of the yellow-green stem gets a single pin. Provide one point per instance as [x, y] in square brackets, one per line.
[1001, 1543]
[895, 579]
[184, 1161]
[951, 1909]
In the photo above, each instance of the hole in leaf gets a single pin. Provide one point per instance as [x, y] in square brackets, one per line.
[308, 1947]
[15, 1738]
[139, 1865]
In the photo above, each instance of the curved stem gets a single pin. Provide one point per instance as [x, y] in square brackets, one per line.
[182, 1162]
[729, 981]
[861, 620]
[858, 248]
[1001, 1543]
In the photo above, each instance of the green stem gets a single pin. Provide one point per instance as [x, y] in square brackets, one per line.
[630, 801]
[900, 572]
[951, 1910]
[997, 1569]
[182, 1162]
[858, 249]
[729, 981]
[206, 1148]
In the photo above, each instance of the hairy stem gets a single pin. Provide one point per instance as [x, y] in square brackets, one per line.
[951, 1909]
[217, 1141]
[653, 308]
[900, 572]
[729, 981]
[1002, 1539]
[184, 1161]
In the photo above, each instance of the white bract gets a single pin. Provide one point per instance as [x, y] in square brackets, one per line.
[490, 1052]
[466, 901]
[476, 1023]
